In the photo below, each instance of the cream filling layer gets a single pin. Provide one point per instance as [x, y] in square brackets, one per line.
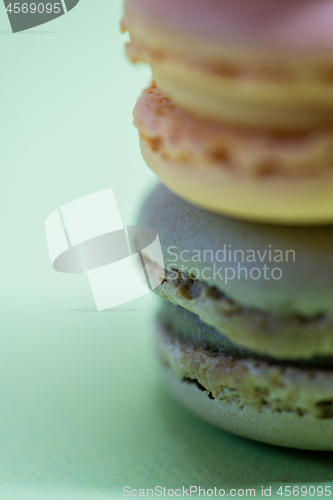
[266, 95]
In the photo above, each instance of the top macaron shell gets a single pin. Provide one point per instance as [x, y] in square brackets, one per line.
[306, 284]
[276, 26]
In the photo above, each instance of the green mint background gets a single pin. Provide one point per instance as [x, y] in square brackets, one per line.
[83, 410]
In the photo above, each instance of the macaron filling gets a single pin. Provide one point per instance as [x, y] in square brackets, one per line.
[188, 328]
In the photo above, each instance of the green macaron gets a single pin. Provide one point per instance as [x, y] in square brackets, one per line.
[245, 334]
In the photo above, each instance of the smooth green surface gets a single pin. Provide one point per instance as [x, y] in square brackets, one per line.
[83, 411]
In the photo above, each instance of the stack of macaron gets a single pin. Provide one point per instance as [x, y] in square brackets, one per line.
[238, 126]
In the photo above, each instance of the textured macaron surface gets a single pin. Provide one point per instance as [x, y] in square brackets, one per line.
[202, 243]
[183, 138]
[253, 382]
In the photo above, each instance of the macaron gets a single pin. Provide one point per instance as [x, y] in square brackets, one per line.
[242, 173]
[245, 331]
[256, 63]
[239, 117]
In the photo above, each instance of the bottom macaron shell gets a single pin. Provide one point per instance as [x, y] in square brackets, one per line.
[284, 406]
[306, 200]
[273, 428]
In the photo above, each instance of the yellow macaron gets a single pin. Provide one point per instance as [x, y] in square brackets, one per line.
[239, 119]
[239, 172]
[257, 63]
